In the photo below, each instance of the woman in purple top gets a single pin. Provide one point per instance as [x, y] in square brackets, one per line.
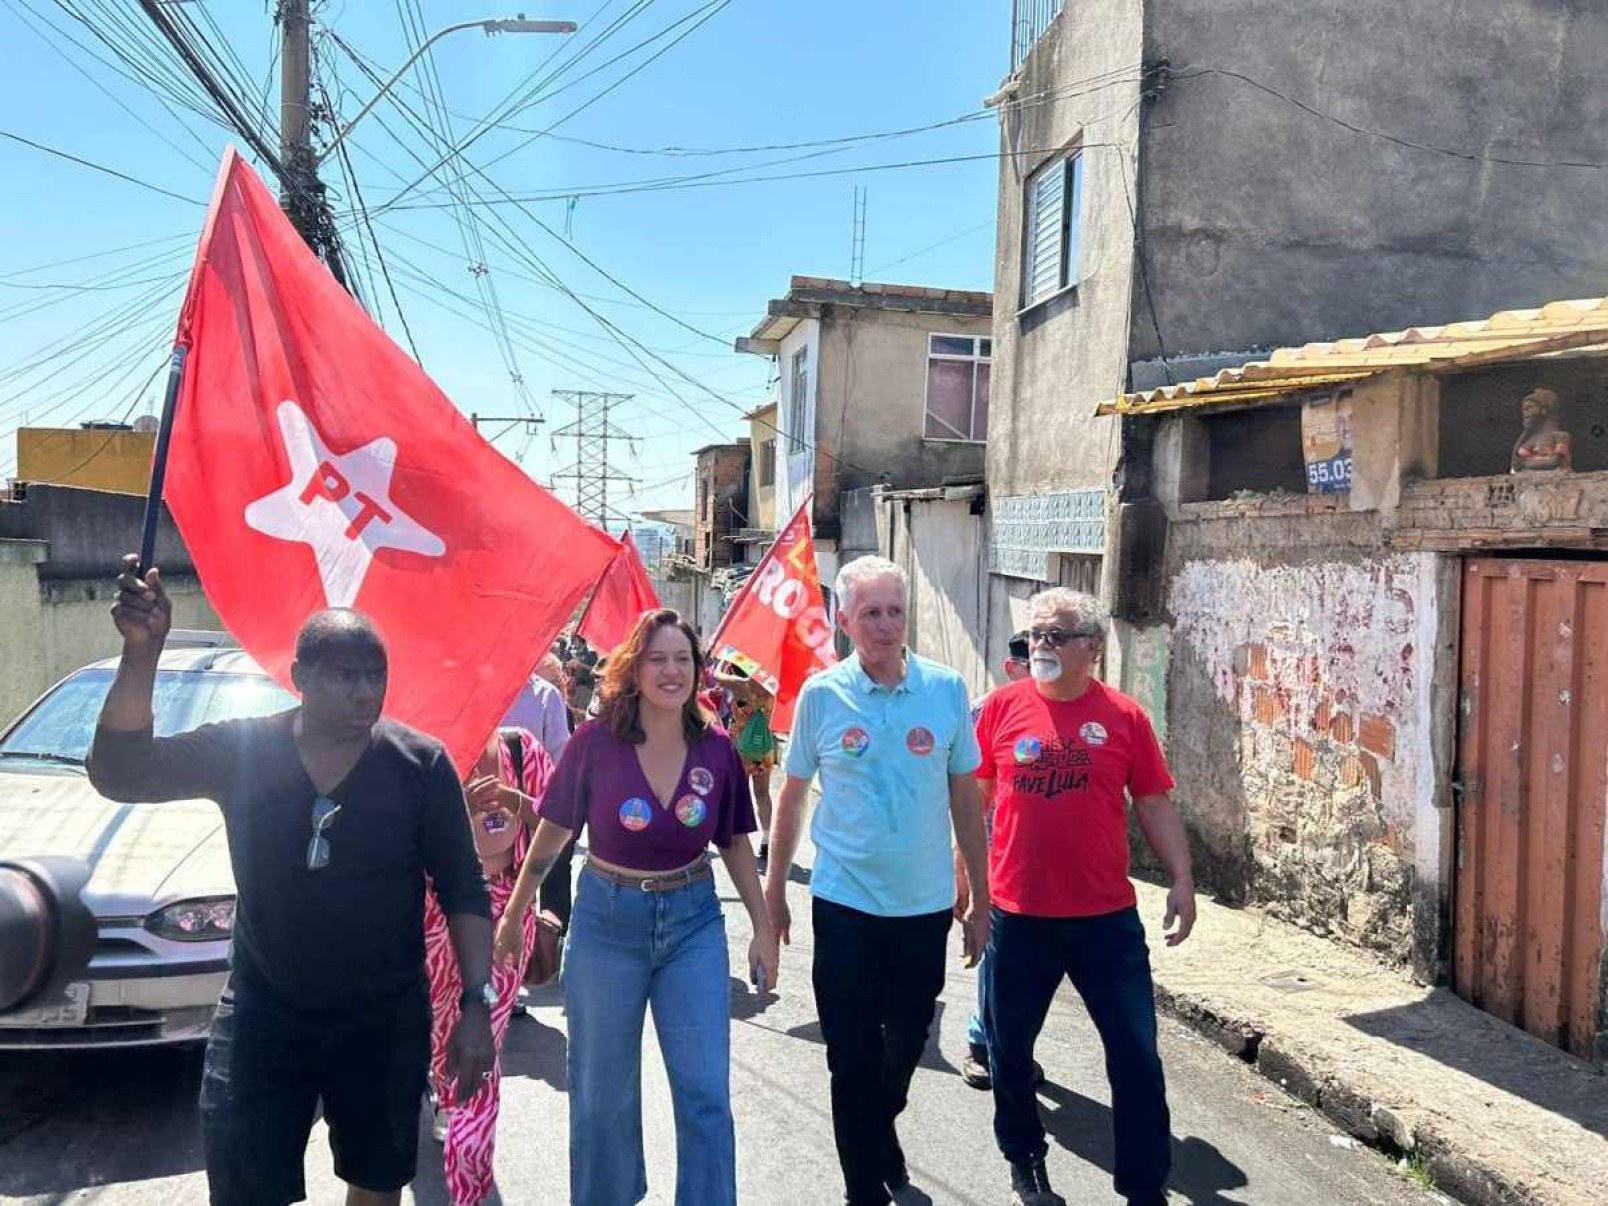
[654, 783]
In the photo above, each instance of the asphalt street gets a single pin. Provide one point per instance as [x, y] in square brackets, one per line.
[121, 1127]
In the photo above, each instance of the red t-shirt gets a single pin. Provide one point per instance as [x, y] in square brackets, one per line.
[1060, 835]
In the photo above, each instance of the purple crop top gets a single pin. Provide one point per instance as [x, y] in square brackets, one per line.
[599, 784]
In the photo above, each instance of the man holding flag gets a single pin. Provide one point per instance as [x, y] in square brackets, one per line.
[313, 469]
[334, 817]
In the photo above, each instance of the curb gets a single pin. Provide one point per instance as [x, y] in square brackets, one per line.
[1461, 1174]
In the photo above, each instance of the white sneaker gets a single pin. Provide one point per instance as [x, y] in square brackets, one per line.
[438, 1127]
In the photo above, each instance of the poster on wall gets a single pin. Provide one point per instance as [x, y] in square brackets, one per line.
[1326, 444]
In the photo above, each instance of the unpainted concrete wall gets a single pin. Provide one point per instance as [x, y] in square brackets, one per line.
[53, 628]
[1304, 714]
[1265, 225]
[88, 531]
[1054, 363]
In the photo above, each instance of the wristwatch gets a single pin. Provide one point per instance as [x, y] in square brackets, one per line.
[484, 995]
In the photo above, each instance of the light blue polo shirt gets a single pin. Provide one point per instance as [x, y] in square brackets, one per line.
[884, 756]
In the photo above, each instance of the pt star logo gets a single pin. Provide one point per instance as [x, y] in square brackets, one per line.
[339, 506]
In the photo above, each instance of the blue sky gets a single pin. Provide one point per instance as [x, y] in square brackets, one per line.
[80, 340]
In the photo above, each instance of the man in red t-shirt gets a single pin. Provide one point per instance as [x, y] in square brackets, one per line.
[1062, 753]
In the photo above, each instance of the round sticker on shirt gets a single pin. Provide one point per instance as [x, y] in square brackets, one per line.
[1093, 733]
[919, 741]
[635, 814]
[691, 810]
[700, 780]
[1028, 749]
[856, 742]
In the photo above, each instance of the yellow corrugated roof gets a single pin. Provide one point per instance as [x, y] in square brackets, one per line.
[1508, 335]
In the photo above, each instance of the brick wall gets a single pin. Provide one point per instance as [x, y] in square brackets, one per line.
[1299, 731]
[722, 499]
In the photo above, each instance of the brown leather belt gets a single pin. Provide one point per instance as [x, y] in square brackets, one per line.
[656, 883]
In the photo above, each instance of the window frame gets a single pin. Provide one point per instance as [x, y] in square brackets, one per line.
[798, 400]
[766, 476]
[1068, 239]
[977, 357]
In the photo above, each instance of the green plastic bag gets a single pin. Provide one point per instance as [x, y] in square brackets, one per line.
[755, 742]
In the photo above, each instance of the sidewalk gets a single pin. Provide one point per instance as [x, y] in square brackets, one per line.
[1494, 1115]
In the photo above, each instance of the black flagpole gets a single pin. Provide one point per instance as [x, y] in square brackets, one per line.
[164, 435]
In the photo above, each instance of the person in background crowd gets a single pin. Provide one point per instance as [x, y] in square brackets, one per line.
[503, 791]
[654, 784]
[1059, 752]
[891, 738]
[974, 1068]
[336, 819]
[541, 709]
[750, 728]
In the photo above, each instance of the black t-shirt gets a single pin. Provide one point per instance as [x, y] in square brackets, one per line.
[354, 929]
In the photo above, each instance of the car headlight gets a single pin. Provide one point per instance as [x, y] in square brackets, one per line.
[194, 920]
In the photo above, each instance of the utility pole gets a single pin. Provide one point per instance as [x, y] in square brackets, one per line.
[301, 194]
[592, 433]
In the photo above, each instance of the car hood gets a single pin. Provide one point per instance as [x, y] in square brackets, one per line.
[142, 856]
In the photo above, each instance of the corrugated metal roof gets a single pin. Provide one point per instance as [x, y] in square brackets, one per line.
[1505, 336]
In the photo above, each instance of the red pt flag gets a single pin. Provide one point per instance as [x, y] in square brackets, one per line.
[776, 628]
[314, 465]
[623, 594]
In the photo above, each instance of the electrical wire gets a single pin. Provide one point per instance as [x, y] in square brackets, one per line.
[33, 20]
[459, 149]
[1384, 135]
[99, 167]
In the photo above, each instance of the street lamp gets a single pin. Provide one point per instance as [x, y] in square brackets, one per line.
[514, 25]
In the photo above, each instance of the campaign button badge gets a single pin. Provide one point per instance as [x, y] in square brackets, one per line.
[1093, 733]
[1028, 749]
[701, 780]
[855, 742]
[635, 814]
[919, 741]
[691, 810]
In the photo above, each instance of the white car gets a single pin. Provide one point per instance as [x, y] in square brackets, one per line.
[160, 886]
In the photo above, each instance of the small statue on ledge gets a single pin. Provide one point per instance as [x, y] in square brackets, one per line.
[1543, 444]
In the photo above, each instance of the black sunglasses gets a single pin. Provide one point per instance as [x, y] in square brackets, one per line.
[324, 810]
[1056, 637]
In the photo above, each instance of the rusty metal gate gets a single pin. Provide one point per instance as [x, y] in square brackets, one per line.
[1533, 777]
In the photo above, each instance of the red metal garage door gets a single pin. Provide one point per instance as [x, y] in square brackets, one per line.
[1533, 771]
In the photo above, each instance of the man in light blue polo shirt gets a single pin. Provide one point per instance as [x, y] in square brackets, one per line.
[890, 736]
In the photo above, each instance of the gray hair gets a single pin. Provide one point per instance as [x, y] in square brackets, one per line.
[1090, 618]
[866, 569]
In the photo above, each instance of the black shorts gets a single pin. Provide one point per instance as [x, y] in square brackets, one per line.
[268, 1067]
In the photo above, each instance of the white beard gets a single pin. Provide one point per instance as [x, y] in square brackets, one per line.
[1045, 669]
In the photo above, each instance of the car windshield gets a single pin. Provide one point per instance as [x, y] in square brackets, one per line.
[61, 727]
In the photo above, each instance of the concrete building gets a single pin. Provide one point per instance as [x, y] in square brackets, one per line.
[1379, 654]
[878, 384]
[60, 553]
[1178, 194]
[763, 433]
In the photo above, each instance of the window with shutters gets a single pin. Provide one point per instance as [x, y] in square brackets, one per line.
[798, 398]
[958, 368]
[767, 463]
[1053, 211]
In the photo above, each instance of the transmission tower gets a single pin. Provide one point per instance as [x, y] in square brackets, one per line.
[592, 433]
